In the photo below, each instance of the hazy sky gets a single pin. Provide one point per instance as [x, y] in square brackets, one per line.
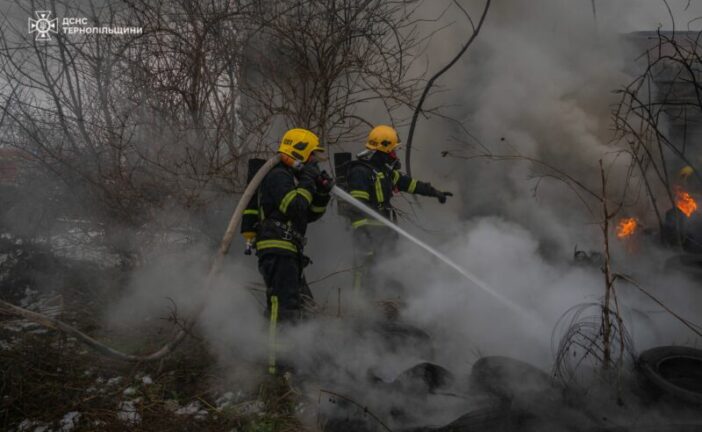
[631, 15]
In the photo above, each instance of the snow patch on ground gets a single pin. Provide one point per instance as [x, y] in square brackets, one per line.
[114, 381]
[28, 425]
[189, 409]
[82, 245]
[29, 297]
[127, 413]
[101, 384]
[129, 391]
[225, 400]
[70, 421]
[249, 408]
[20, 326]
[228, 399]
[193, 408]
[235, 403]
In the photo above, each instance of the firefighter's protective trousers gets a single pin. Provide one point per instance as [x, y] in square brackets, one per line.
[279, 214]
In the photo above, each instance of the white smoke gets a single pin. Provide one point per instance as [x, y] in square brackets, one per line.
[538, 83]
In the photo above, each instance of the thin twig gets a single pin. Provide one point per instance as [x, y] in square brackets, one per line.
[692, 326]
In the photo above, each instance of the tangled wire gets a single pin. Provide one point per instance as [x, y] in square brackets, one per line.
[582, 346]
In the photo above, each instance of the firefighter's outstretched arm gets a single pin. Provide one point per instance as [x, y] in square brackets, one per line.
[406, 183]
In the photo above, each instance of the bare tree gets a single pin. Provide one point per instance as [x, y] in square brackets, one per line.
[151, 128]
[321, 64]
[134, 124]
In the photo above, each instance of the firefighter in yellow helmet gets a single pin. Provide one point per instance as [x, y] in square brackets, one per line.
[373, 178]
[294, 193]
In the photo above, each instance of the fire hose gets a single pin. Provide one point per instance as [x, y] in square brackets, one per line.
[215, 267]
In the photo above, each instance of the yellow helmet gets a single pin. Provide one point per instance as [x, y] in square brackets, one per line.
[685, 172]
[383, 138]
[299, 144]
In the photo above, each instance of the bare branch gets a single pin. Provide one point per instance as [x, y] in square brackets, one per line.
[430, 83]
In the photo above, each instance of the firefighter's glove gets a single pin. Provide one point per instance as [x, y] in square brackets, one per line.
[325, 183]
[441, 196]
[250, 237]
[307, 175]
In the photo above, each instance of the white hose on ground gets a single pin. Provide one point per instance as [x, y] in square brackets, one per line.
[99, 347]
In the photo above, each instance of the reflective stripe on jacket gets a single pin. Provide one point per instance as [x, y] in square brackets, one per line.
[373, 183]
[294, 204]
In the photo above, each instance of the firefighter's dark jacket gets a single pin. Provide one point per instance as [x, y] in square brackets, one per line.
[280, 211]
[373, 181]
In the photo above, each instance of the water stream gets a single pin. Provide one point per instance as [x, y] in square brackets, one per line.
[446, 260]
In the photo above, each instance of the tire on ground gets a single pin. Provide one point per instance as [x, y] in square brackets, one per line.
[509, 378]
[674, 371]
[490, 419]
[423, 378]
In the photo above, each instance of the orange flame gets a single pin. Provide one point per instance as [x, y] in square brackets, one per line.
[684, 202]
[626, 227]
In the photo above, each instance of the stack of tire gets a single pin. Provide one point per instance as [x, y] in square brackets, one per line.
[527, 398]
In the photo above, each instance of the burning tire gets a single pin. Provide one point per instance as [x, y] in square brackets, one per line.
[674, 371]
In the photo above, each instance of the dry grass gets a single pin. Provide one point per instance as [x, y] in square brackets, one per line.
[44, 374]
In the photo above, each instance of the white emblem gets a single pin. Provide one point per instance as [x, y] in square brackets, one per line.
[43, 25]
